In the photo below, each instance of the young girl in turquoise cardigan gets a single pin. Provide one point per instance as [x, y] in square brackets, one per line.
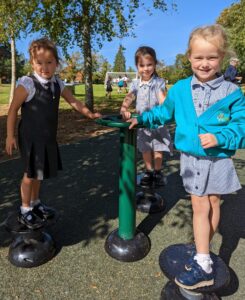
[210, 125]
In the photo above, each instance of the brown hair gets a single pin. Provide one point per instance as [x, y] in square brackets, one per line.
[43, 43]
[145, 51]
[214, 34]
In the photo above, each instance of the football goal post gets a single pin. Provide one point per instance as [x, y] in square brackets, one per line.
[115, 76]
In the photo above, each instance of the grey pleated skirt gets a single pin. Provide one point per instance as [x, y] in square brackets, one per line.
[208, 175]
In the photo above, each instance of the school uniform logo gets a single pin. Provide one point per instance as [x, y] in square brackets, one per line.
[221, 117]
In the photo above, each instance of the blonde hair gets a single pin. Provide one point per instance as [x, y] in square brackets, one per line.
[214, 34]
[43, 43]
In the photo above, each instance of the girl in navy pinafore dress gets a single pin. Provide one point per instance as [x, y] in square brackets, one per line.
[38, 96]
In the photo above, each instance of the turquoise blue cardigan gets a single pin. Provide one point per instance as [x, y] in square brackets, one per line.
[225, 119]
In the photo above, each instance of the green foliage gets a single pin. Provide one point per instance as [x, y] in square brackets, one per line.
[15, 18]
[183, 66]
[5, 63]
[73, 65]
[232, 18]
[181, 69]
[87, 23]
[120, 61]
[130, 69]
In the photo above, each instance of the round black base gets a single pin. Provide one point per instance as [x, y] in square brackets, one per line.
[29, 248]
[127, 250]
[27, 252]
[172, 292]
[149, 202]
[172, 262]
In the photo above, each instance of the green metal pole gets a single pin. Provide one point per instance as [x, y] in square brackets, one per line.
[127, 181]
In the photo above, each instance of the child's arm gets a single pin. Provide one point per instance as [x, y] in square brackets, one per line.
[78, 105]
[162, 96]
[20, 96]
[158, 115]
[125, 105]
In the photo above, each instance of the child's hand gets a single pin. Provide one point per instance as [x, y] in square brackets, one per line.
[208, 140]
[96, 116]
[126, 115]
[10, 144]
[133, 122]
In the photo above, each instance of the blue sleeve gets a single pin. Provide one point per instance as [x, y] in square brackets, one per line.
[232, 137]
[160, 114]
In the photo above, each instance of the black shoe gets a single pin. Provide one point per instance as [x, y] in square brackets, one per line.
[30, 220]
[147, 179]
[44, 212]
[159, 179]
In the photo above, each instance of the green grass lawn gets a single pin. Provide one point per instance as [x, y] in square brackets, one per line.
[4, 93]
[99, 95]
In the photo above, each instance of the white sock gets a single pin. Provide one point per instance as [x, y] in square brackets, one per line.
[35, 202]
[205, 261]
[25, 209]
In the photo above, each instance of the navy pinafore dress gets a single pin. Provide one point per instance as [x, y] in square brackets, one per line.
[37, 133]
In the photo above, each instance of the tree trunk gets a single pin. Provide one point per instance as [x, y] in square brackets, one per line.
[13, 69]
[87, 54]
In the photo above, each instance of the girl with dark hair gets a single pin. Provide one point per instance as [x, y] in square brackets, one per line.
[148, 91]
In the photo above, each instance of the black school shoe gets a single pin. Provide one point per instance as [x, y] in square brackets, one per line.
[147, 179]
[43, 212]
[30, 220]
[159, 179]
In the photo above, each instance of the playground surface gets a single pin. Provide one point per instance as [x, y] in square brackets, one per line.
[86, 195]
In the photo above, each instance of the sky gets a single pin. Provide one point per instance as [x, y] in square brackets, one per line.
[167, 32]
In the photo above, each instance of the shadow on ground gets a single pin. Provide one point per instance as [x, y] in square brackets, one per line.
[84, 193]
[232, 230]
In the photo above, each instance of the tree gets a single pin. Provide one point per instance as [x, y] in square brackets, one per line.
[183, 66]
[15, 16]
[87, 23]
[100, 67]
[130, 69]
[232, 18]
[73, 65]
[5, 63]
[120, 61]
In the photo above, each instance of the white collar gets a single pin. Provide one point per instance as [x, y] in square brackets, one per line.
[141, 83]
[43, 80]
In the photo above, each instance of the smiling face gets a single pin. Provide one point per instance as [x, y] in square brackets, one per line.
[205, 59]
[44, 63]
[146, 67]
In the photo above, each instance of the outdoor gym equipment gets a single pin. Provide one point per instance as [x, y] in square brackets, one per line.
[126, 243]
[148, 201]
[172, 261]
[29, 248]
